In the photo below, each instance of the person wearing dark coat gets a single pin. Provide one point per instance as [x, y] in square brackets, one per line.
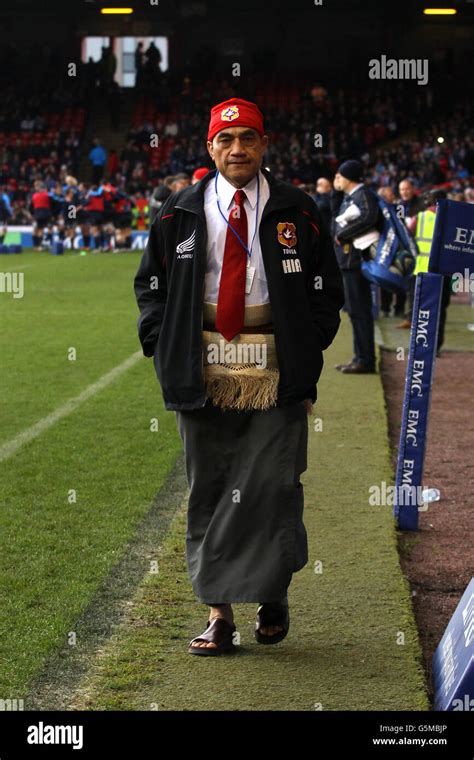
[357, 215]
[322, 199]
[239, 294]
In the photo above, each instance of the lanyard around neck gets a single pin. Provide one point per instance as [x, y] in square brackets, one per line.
[249, 251]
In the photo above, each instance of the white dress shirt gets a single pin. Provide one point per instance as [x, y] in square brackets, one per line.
[217, 231]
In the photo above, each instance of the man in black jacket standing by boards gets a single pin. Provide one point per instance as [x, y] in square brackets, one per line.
[354, 229]
[239, 293]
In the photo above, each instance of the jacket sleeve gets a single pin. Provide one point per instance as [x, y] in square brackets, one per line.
[367, 220]
[325, 289]
[335, 199]
[151, 288]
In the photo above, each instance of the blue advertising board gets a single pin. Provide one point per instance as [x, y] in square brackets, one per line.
[452, 249]
[416, 403]
[453, 661]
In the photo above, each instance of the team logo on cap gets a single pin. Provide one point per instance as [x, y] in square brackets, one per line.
[287, 234]
[230, 113]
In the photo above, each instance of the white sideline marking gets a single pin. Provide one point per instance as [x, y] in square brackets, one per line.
[10, 447]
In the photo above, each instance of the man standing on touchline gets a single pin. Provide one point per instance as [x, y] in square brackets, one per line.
[357, 214]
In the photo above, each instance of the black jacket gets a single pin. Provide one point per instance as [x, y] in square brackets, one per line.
[369, 219]
[169, 288]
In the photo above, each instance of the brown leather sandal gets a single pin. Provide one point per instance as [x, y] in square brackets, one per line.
[268, 614]
[219, 632]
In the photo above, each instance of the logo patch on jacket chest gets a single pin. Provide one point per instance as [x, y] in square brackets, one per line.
[287, 234]
[185, 250]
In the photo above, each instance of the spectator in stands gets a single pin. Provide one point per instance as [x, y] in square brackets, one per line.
[171, 129]
[140, 212]
[153, 56]
[152, 70]
[180, 181]
[90, 69]
[387, 194]
[386, 296]
[160, 194]
[322, 198]
[139, 63]
[410, 203]
[107, 67]
[43, 129]
[97, 157]
[424, 224]
[113, 162]
[21, 215]
[168, 181]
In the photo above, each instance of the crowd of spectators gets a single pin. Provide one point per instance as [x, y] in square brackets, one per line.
[397, 132]
[311, 131]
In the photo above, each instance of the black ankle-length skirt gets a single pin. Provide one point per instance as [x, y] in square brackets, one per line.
[245, 535]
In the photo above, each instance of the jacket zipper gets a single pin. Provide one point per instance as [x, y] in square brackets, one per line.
[202, 315]
[198, 216]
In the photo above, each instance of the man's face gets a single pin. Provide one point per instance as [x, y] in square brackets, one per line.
[406, 191]
[341, 183]
[323, 186]
[180, 184]
[237, 153]
[388, 195]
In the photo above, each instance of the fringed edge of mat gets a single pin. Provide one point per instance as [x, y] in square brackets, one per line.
[241, 387]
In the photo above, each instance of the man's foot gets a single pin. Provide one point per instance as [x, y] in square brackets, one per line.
[217, 639]
[340, 367]
[270, 630]
[405, 325]
[273, 622]
[358, 369]
[223, 611]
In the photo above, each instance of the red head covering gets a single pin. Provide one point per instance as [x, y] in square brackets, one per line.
[200, 173]
[235, 113]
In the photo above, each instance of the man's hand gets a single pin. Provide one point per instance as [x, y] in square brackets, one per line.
[308, 405]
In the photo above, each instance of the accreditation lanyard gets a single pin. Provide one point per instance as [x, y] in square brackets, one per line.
[249, 251]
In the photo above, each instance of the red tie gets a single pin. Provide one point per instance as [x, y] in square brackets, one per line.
[231, 300]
